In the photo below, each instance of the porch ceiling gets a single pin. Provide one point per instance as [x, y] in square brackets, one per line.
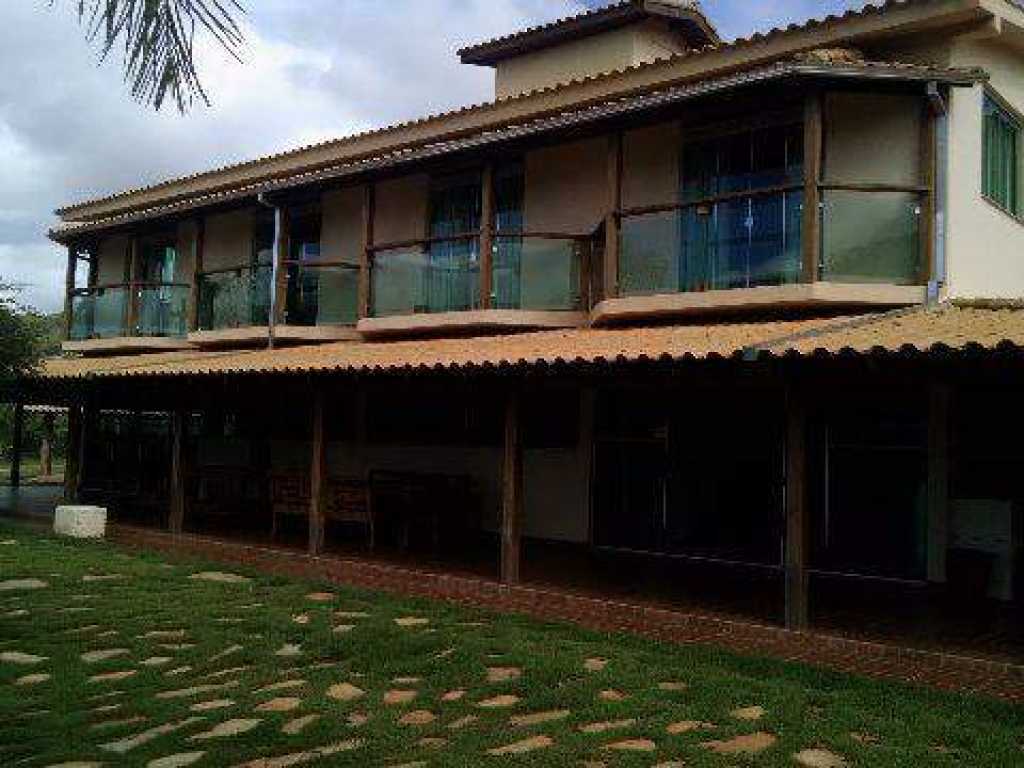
[923, 331]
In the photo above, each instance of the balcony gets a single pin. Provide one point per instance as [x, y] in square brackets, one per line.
[435, 285]
[745, 253]
[150, 317]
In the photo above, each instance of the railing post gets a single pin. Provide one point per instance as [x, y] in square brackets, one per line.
[487, 236]
[366, 254]
[612, 221]
[197, 272]
[512, 491]
[814, 119]
[279, 287]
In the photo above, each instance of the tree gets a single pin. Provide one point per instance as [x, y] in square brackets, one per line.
[22, 338]
[158, 41]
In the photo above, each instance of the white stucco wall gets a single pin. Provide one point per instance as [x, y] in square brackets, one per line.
[341, 233]
[228, 240]
[985, 245]
[566, 187]
[401, 209]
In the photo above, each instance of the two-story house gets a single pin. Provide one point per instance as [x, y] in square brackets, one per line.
[725, 325]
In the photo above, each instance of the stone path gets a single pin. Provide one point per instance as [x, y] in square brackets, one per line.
[522, 747]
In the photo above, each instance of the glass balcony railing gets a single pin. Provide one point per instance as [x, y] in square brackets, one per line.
[163, 311]
[426, 277]
[100, 313]
[237, 298]
[745, 242]
[871, 237]
[535, 272]
[322, 294]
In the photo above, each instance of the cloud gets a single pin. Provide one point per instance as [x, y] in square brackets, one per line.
[313, 70]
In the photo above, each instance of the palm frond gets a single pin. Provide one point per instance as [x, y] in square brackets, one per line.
[158, 42]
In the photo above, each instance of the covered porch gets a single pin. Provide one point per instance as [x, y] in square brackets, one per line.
[849, 476]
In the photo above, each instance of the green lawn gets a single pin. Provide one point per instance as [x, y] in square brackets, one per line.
[29, 470]
[177, 643]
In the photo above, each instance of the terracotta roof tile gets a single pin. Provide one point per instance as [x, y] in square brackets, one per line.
[924, 330]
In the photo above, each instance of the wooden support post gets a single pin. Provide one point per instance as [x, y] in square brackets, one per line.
[72, 455]
[69, 290]
[317, 474]
[195, 296]
[176, 518]
[938, 479]
[511, 491]
[487, 229]
[814, 142]
[797, 517]
[612, 221]
[366, 255]
[17, 440]
[46, 446]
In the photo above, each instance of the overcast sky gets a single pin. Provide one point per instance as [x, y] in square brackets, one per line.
[314, 69]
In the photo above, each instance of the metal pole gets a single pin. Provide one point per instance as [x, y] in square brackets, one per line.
[275, 266]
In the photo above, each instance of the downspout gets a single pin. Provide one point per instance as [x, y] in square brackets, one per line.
[261, 198]
[940, 109]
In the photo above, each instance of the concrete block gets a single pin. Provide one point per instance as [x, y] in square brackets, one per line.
[80, 522]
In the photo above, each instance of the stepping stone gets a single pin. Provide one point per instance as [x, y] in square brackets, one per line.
[164, 634]
[80, 609]
[18, 585]
[343, 629]
[94, 657]
[522, 747]
[407, 680]
[748, 744]
[285, 685]
[230, 651]
[111, 725]
[183, 760]
[418, 717]
[178, 671]
[688, 726]
[108, 633]
[92, 578]
[82, 630]
[351, 615]
[595, 665]
[393, 698]
[345, 692]
[612, 695]
[611, 725]
[867, 739]
[433, 742]
[357, 719]
[220, 578]
[106, 710]
[633, 745]
[76, 764]
[462, 722]
[301, 619]
[451, 696]
[300, 758]
[284, 704]
[819, 758]
[409, 622]
[503, 674]
[226, 673]
[156, 661]
[499, 702]
[196, 690]
[671, 764]
[538, 718]
[16, 614]
[106, 696]
[298, 725]
[175, 646]
[289, 650]
[321, 597]
[22, 659]
[749, 713]
[124, 746]
[31, 680]
[212, 706]
[672, 687]
[227, 729]
[110, 677]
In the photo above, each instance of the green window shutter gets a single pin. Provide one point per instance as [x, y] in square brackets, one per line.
[1001, 157]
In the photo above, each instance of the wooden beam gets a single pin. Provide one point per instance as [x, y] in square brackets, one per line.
[17, 444]
[939, 398]
[611, 220]
[281, 271]
[69, 289]
[797, 522]
[929, 156]
[365, 256]
[487, 228]
[176, 518]
[198, 247]
[511, 491]
[72, 455]
[317, 474]
[814, 142]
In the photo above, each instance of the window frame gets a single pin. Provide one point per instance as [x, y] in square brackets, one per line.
[1016, 120]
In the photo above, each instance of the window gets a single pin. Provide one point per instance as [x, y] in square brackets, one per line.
[1001, 157]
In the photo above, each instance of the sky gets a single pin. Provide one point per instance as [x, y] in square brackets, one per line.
[312, 70]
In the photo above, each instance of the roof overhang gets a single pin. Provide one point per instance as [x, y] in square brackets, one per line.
[685, 17]
[616, 109]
